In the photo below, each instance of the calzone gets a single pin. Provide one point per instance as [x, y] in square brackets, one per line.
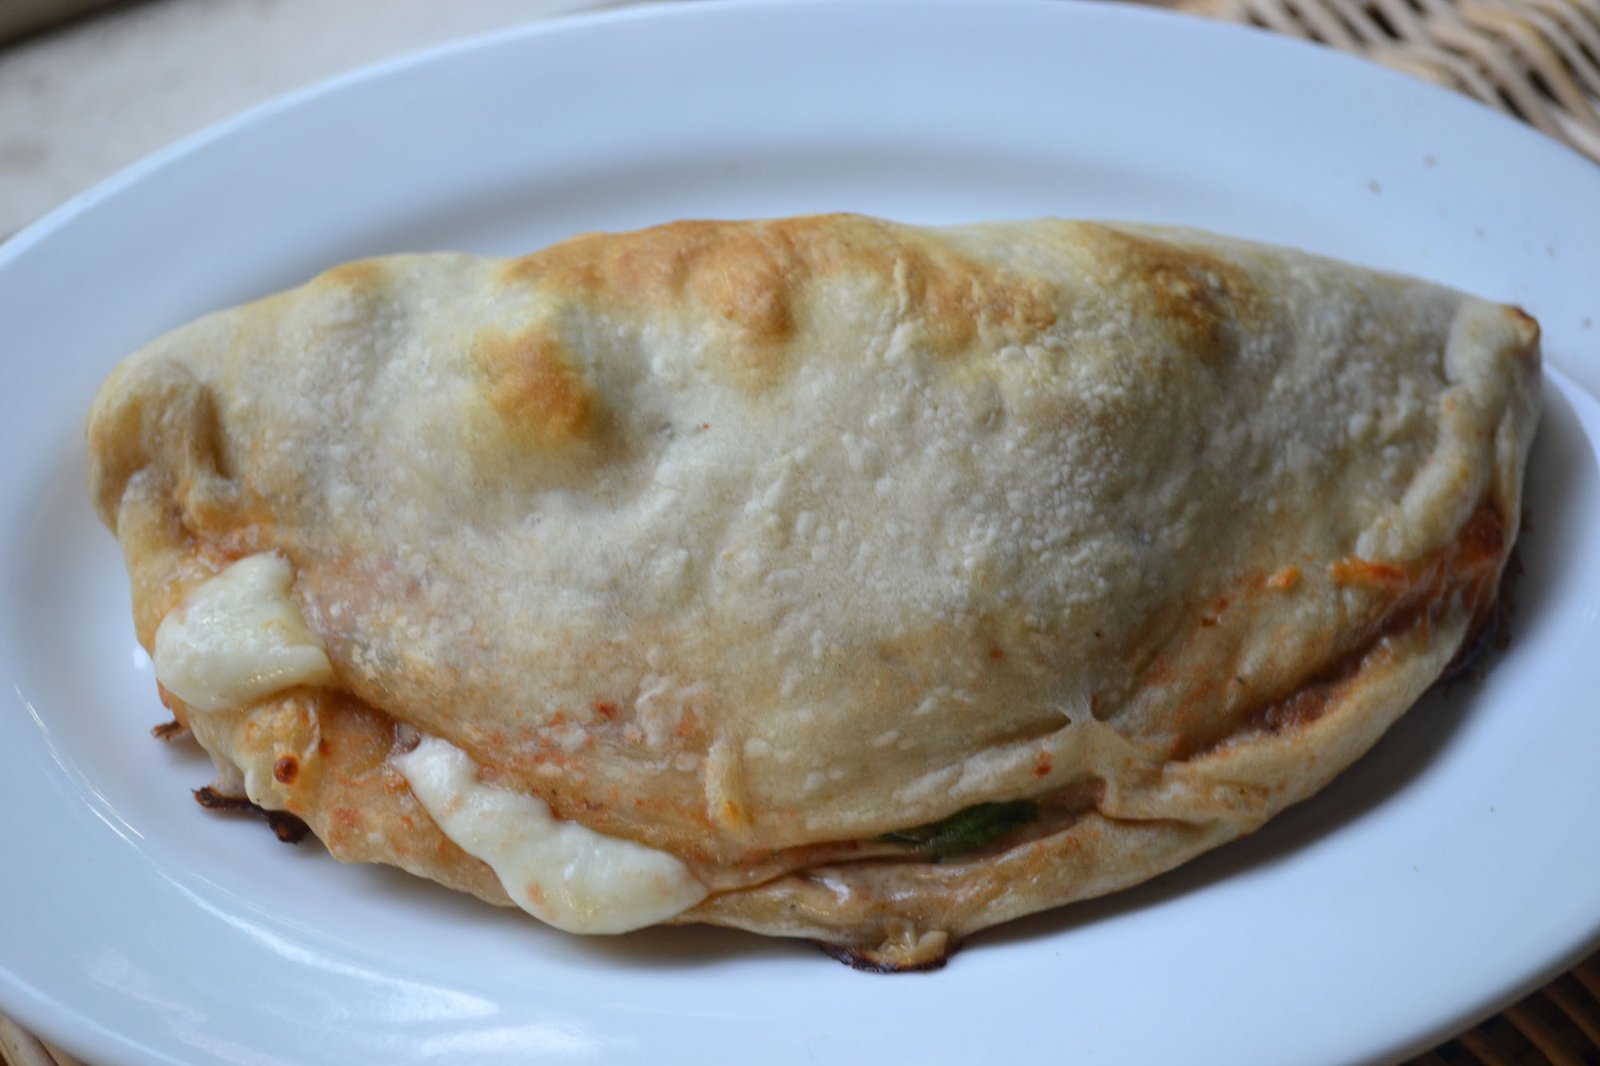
[823, 577]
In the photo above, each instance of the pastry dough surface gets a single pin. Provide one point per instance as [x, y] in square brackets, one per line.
[752, 542]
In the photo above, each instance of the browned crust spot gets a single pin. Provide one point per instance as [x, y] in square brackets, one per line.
[286, 769]
[535, 384]
[361, 275]
[755, 279]
[1205, 301]
[1531, 329]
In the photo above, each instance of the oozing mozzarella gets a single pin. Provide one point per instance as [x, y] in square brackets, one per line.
[562, 873]
[238, 637]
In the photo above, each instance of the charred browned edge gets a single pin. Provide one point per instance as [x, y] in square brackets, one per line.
[285, 826]
[1531, 324]
[1494, 635]
[1207, 301]
[168, 730]
[1472, 566]
[858, 960]
[748, 275]
[1485, 635]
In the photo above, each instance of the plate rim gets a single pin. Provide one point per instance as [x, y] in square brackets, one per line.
[42, 229]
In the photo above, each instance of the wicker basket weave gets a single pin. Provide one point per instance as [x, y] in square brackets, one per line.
[1537, 59]
[19, 1048]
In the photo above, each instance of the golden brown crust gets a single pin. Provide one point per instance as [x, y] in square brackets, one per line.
[534, 385]
[757, 277]
[753, 541]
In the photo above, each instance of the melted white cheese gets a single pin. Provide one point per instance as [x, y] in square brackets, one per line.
[238, 637]
[562, 873]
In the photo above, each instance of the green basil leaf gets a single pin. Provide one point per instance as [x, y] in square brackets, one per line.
[968, 829]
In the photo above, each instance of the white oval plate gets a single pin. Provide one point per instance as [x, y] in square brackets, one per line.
[1443, 875]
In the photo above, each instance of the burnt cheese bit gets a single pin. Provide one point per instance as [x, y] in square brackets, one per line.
[285, 826]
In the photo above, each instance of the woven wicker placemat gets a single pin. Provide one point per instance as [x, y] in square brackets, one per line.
[20, 1048]
[1538, 60]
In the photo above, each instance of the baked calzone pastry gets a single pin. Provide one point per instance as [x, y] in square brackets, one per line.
[823, 577]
